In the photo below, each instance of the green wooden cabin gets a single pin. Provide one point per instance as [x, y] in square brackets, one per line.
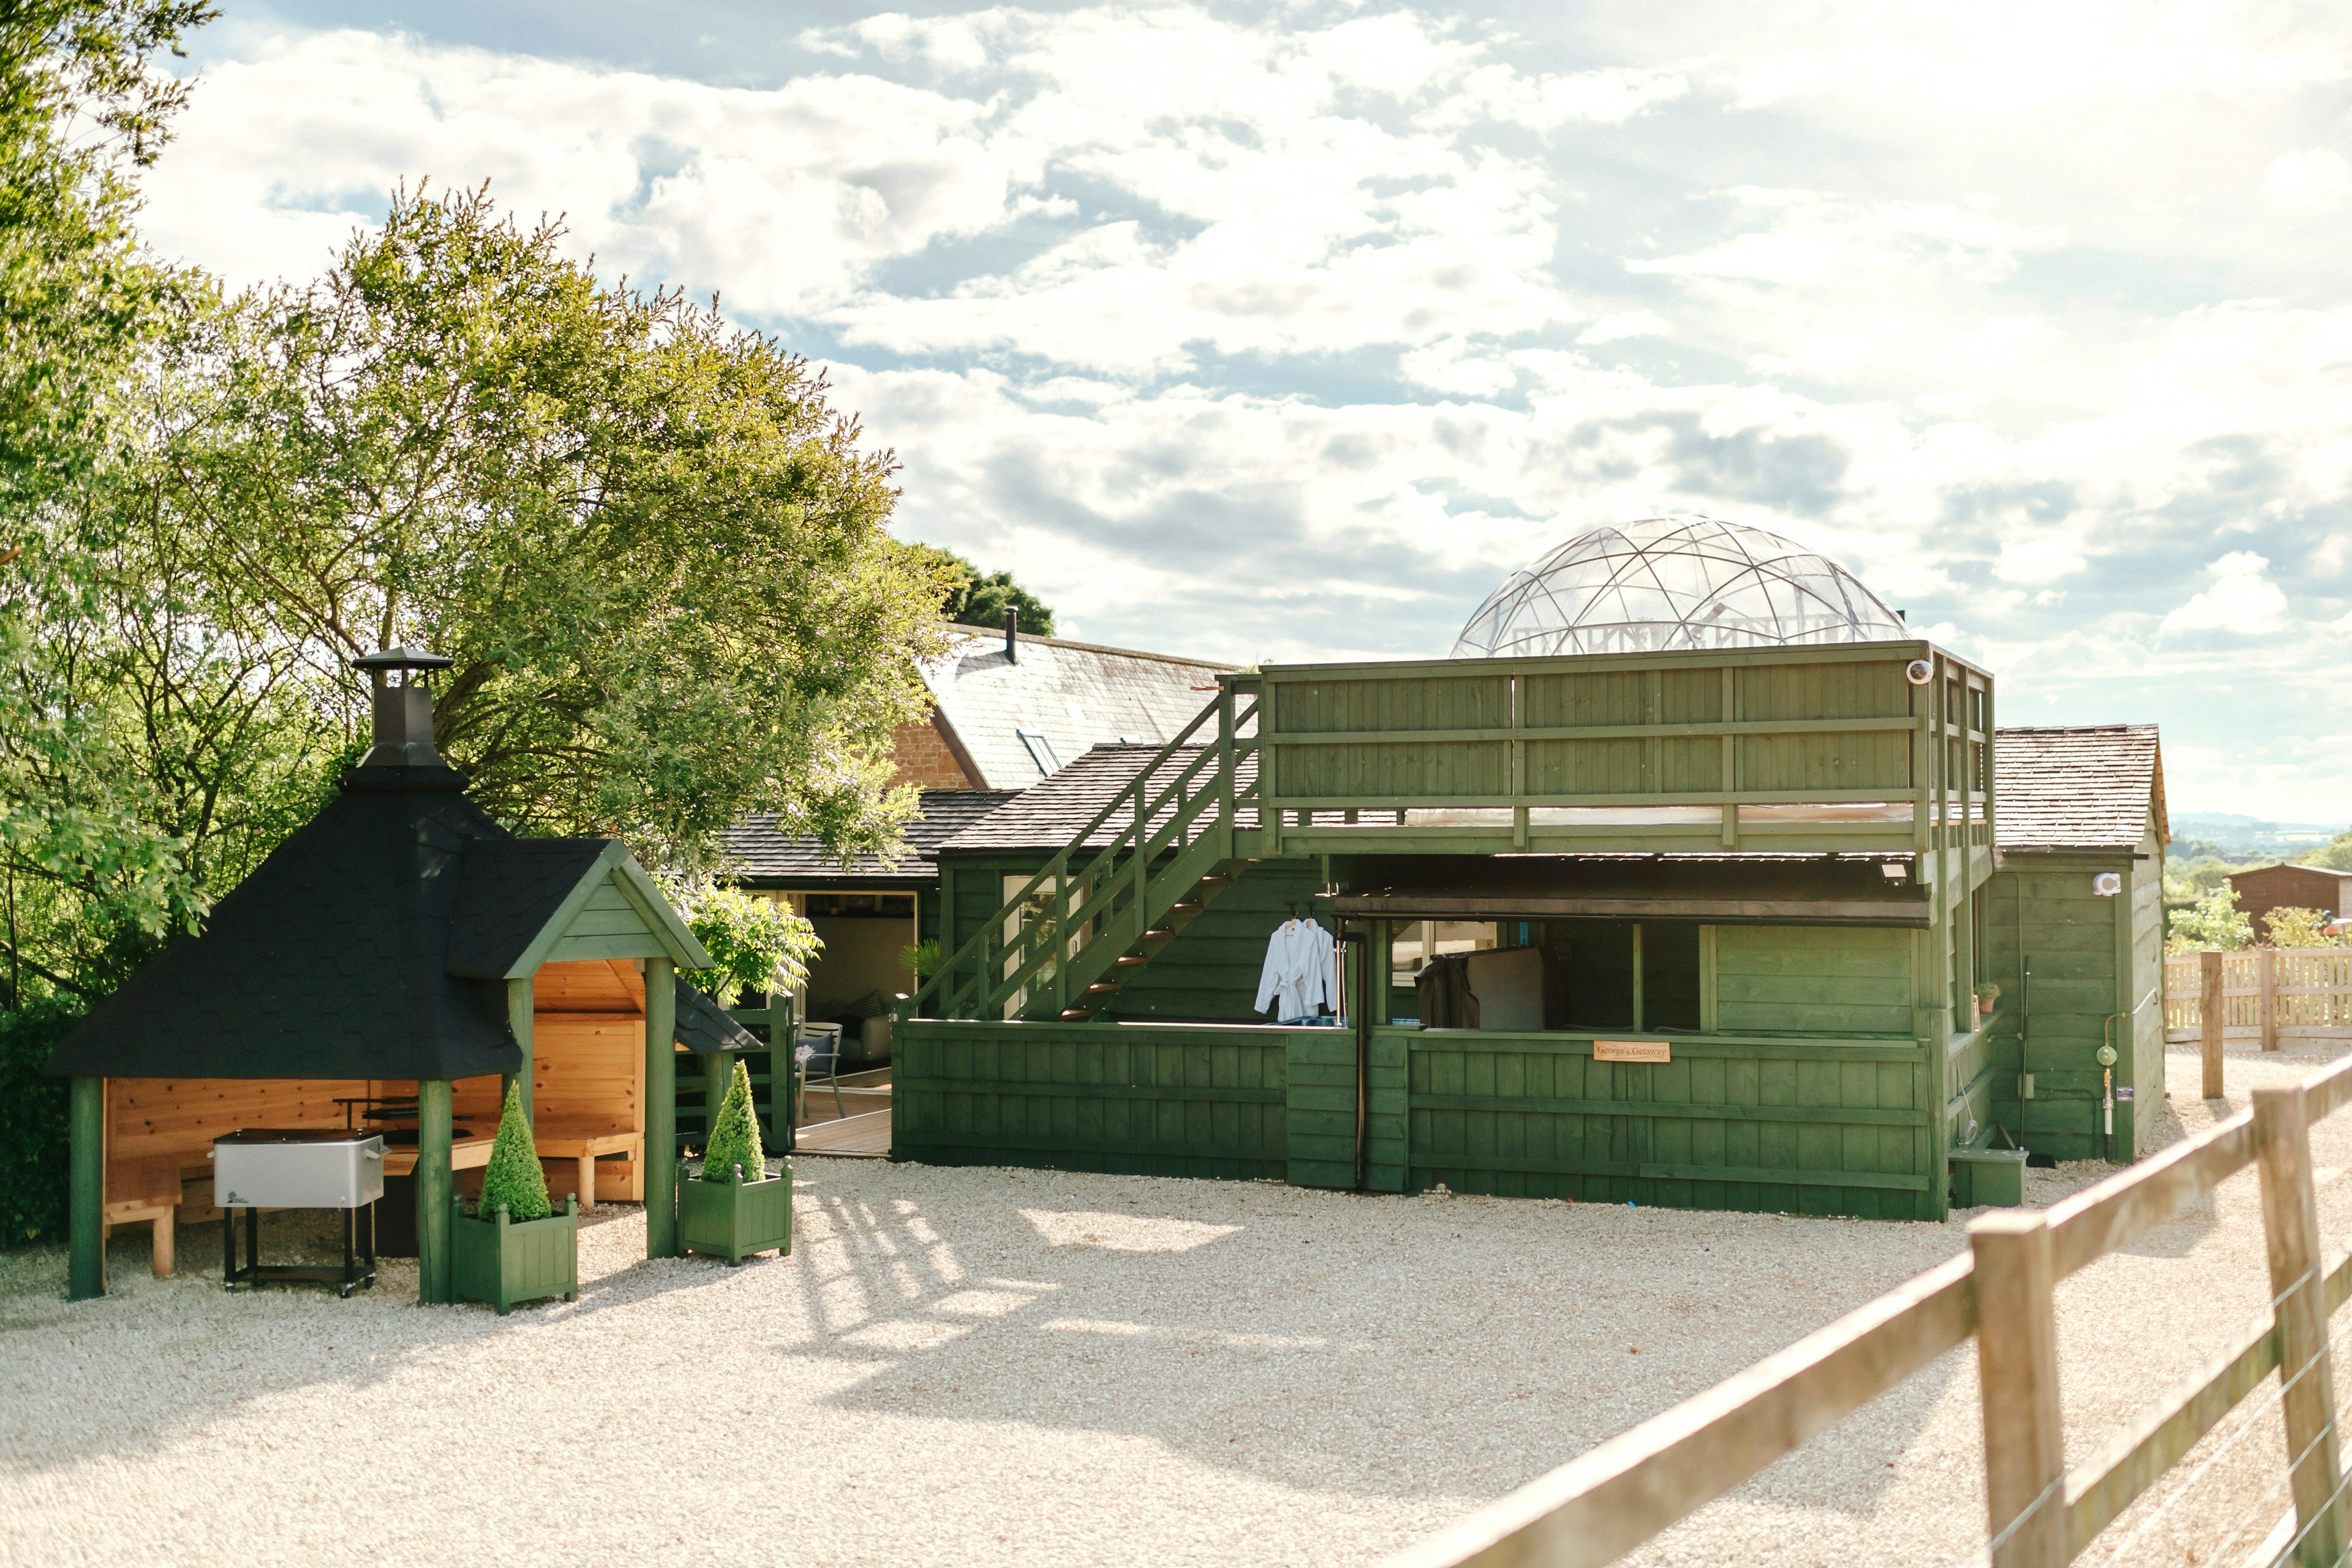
[1763, 865]
[2073, 925]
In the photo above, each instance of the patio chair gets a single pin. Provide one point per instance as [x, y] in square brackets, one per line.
[820, 1043]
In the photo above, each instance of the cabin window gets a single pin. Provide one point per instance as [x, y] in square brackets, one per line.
[1597, 975]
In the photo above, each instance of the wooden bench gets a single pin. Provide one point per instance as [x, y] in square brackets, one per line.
[558, 1139]
[146, 1190]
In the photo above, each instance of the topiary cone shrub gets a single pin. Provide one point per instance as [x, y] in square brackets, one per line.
[514, 1177]
[720, 1217]
[734, 1135]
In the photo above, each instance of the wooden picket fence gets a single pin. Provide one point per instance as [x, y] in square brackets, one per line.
[2267, 994]
[1593, 1510]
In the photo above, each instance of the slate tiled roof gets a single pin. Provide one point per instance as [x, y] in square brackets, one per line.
[2082, 787]
[1048, 815]
[756, 855]
[1069, 695]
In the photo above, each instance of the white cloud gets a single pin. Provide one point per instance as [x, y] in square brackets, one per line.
[1284, 337]
[2316, 180]
[2240, 600]
[2034, 561]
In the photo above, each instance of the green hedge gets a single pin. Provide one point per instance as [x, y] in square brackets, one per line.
[33, 1124]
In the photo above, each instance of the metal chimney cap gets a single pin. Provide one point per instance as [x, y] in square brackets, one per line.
[401, 658]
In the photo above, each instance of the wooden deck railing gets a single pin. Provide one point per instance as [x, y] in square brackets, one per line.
[2267, 994]
[1594, 1508]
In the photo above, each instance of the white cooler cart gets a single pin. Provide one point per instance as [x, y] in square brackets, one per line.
[256, 1168]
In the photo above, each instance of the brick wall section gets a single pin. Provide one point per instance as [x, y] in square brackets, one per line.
[924, 759]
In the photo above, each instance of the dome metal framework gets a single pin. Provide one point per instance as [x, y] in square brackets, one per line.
[1665, 583]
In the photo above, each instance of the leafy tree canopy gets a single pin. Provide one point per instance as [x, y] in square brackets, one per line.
[978, 599]
[653, 548]
[86, 855]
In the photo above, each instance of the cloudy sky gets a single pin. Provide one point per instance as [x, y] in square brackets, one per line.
[1274, 340]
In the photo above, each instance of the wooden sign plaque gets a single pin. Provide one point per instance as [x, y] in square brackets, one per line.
[1631, 1051]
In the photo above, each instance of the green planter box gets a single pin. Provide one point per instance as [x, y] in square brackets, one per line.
[503, 1261]
[1983, 1177]
[720, 1219]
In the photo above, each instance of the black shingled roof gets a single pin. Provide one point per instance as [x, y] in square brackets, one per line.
[509, 891]
[362, 947]
[756, 855]
[329, 961]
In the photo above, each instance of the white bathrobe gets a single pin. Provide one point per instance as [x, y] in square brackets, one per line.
[1301, 973]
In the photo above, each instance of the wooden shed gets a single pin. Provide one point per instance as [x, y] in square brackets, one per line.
[2073, 935]
[401, 958]
[1750, 878]
[2272, 888]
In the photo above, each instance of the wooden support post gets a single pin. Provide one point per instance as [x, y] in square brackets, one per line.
[2299, 1301]
[661, 1109]
[2017, 1369]
[715, 1080]
[86, 1210]
[519, 1008]
[2266, 998]
[2209, 1012]
[435, 1183]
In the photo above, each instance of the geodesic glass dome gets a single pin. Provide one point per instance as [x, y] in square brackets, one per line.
[1675, 583]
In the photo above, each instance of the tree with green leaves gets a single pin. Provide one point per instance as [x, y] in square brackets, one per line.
[654, 548]
[2213, 921]
[755, 944]
[974, 599]
[82, 112]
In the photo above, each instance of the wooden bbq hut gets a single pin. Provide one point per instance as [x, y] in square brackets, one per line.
[401, 951]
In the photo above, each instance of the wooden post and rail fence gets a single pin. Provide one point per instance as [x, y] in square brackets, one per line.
[2041, 1513]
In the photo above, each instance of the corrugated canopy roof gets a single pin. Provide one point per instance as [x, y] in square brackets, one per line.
[1067, 697]
[756, 855]
[2087, 787]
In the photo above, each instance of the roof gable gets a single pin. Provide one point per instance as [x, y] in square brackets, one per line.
[2089, 788]
[529, 901]
[1020, 720]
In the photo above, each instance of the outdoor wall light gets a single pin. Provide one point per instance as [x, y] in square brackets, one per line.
[2107, 884]
[1893, 871]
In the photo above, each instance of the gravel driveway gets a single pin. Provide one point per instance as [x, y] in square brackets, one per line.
[982, 1367]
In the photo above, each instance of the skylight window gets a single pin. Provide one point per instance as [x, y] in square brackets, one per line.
[1040, 752]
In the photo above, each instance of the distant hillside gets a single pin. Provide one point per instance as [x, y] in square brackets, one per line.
[2245, 835]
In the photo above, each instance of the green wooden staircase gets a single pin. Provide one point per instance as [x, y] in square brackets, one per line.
[1103, 907]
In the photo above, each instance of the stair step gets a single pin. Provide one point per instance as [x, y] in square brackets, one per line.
[1216, 881]
[1101, 985]
[1077, 1015]
[1131, 961]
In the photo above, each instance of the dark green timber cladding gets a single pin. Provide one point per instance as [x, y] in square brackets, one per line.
[1146, 1098]
[1323, 1111]
[1806, 979]
[1211, 971]
[1209, 975]
[2093, 958]
[1796, 1126]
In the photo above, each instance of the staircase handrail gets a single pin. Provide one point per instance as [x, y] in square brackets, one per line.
[1144, 849]
[942, 987]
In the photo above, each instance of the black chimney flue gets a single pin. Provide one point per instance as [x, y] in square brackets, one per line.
[404, 713]
[1011, 635]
